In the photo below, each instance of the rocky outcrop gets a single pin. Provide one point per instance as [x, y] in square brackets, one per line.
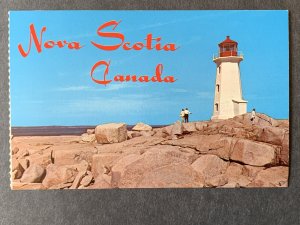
[271, 177]
[174, 175]
[102, 163]
[33, 174]
[211, 167]
[88, 137]
[253, 153]
[86, 180]
[134, 169]
[133, 134]
[111, 133]
[90, 131]
[59, 175]
[222, 154]
[73, 155]
[14, 150]
[27, 186]
[16, 169]
[142, 127]
[80, 175]
[177, 129]
[189, 127]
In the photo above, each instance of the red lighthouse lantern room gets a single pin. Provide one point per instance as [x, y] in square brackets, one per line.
[228, 47]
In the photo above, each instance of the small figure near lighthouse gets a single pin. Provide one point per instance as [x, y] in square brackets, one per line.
[228, 100]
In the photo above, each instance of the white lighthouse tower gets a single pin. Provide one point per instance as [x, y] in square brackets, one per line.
[228, 100]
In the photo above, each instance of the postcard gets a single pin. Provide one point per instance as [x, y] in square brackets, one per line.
[149, 99]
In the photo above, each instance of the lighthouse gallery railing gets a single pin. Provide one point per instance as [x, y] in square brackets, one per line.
[232, 53]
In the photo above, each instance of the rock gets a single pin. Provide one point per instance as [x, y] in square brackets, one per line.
[14, 175]
[107, 178]
[90, 131]
[171, 176]
[251, 171]
[73, 156]
[253, 153]
[200, 126]
[66, 157]
[82, 166]
[283, 123]
[59, 175]
[265, 120]
[132, 169]
[210, 166]
[147, 133]
[87, 180]
[212, 128]
[60, 186]
[33, 174]
[185, 155]
[260, 120]
[111, 133]
[243, 181]
[231, 185]
[100, 183]
[236, 175]
[234, 170]
[167, 130]
[43, 158]
[22, 153]
[272, 135]
[16, 168]
[88, 138]
[24, 163]
[142, 127]
[189, 127]
[160, 133]
[133, 134]
[272, 177]
[284, 153]
[206, 144]
[174, 137]
[119, 169]
[27, 186]
[102, 162]
[229, 127]
[78, 179]
[216, 181]
[15, 150]
[177, 129]
[220, 147]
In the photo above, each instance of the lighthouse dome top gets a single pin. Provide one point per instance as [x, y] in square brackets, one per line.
[227, 41]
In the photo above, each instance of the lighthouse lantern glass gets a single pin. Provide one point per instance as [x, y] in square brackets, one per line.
[228, 48]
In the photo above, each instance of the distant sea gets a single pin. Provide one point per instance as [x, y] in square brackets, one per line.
[57, 130]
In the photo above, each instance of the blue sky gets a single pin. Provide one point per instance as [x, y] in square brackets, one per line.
[54, 87]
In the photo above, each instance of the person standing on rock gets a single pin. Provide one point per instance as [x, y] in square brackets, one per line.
[186, 115]
[182, 115]
[253, 114]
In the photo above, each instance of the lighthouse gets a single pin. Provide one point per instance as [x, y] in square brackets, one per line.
[228, 101]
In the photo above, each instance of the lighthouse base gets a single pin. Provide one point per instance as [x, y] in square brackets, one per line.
[230, 110]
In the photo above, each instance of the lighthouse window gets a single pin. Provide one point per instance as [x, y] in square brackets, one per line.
[217, 106]
[218, 87]
[219, 69]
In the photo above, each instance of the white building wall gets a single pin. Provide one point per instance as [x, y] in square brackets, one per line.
[229, 97]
